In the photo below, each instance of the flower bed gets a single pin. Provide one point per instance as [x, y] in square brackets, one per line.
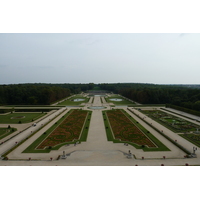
[172, 122]
[68, 130]
[125, 130]
[193, 138]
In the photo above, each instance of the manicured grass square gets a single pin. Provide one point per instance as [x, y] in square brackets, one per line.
[71, 102]
[15, 118]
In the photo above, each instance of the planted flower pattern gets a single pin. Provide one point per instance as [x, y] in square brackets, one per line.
[125, 130]
[68, 130]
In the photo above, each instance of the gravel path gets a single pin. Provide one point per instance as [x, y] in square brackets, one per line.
[97, 151]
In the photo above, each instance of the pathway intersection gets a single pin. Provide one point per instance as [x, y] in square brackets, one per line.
[97, 151]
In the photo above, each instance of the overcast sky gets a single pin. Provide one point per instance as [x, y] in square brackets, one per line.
[100, 58]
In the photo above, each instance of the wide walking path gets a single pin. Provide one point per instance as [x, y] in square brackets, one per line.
[24, 134]
[97, 151]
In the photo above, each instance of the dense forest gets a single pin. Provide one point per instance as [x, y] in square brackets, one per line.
[182, 96]
[186, 96]
[38, 94]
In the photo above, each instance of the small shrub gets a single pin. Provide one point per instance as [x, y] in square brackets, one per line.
[8, 126]
[19, 122]
[5, 158]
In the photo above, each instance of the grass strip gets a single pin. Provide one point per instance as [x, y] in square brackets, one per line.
[161, 146]
[83, 137]
[4, 132]
[25, 139]
[179, 114]
[110, 136]
[190, 139]
[167, 137]
[71, 102]
[169, 126]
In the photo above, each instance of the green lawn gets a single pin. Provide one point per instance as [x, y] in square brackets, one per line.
[6, 131]
[15, 118]
[71, 102]
[123, 102]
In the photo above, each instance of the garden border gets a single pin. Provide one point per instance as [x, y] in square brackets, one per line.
[82, 137]
[167, 137]
[147, 149]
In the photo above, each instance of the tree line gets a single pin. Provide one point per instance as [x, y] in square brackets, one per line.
[186, 96]
[38, 94]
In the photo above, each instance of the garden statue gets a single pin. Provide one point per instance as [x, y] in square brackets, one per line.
[194, 149]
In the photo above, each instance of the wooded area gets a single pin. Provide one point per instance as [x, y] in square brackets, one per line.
[38, 94]
[187, 96]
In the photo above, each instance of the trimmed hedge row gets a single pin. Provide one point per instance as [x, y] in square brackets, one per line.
[193, 112]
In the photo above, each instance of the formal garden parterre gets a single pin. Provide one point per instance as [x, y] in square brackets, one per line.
[186, 129]
[176, 124]
[126, 130]
[193, 138]
[71, 128]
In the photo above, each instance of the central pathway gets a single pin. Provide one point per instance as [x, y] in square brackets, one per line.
[98, 151]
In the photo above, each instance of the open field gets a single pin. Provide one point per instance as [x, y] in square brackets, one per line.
[71, 128]
[176, 124]
[16, 118]
[127, 130]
